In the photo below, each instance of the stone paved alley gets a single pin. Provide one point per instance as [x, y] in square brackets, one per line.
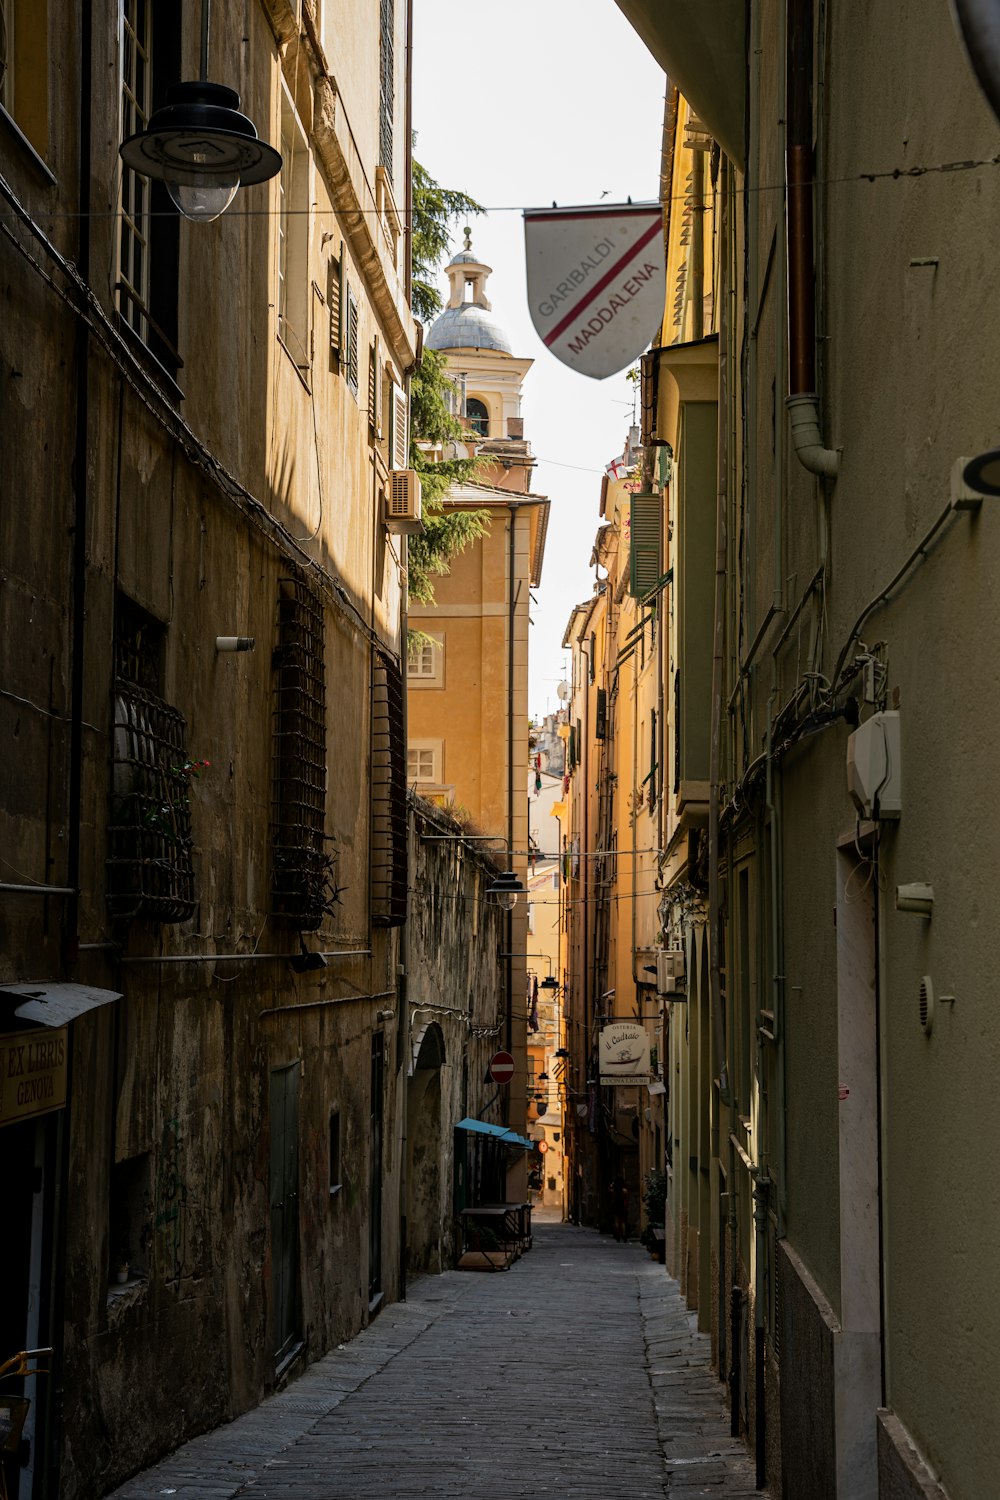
[575, 1372]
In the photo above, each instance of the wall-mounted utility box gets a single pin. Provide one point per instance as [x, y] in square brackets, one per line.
[670, 973]
[874, 767]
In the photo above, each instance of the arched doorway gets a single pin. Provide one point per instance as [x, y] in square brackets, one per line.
[428, 1204]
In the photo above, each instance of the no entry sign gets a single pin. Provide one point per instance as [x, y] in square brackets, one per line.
[501, 1067]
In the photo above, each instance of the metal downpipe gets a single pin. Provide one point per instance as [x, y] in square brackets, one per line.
[715, 749]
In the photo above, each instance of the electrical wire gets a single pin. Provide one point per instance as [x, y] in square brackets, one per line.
[883, 174]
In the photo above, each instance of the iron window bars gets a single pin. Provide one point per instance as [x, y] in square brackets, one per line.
[150, 873]
[388, 835]
[300, 885]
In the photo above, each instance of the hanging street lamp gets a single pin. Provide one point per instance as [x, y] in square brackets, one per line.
[506, 888]
[200, 145]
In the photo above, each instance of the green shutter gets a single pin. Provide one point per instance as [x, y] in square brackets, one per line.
[645, 528]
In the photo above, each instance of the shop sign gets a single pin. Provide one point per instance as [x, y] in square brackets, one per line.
[596, 282]
[624, 1053]
[33, 1067]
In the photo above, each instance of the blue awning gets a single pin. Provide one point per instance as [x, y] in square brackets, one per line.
[499, 1132]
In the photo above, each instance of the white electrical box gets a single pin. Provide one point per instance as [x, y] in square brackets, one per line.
[669, 972]
[874, 769]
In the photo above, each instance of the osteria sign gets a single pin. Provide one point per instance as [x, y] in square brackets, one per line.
[624, 1053]
[596, 282]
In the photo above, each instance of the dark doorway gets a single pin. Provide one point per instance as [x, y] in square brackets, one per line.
[427, 1212]
[29, 1153]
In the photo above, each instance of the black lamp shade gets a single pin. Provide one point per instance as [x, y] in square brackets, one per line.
[198, 134]
[505, 888]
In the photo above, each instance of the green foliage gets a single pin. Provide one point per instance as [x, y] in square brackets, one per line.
[654, 1197]
[445, 535]
[654, 1201]
[430, 419]
[434, 209]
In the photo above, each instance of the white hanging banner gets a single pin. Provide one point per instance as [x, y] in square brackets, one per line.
[596, 282]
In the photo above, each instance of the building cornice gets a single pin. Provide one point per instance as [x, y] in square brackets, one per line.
[352, 194]
[337, 154]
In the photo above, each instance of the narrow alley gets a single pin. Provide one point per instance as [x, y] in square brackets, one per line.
[575, 1371]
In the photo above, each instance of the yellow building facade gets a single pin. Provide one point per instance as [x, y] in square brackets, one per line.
[467, 690]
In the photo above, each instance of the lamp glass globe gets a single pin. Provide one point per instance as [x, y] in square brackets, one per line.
[202, 198]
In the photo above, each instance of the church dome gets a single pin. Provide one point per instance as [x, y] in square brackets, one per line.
[467, 327]
[466, 323]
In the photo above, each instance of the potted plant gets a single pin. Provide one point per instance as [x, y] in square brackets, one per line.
[654, 1201]
[122, 1266]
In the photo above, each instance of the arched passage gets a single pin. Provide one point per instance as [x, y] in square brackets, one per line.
[426, 1212]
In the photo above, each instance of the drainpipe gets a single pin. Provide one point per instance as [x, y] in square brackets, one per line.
[408, 114]
[802, 401]
[715, 748]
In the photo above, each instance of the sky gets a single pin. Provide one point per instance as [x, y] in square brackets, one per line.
[522, 103]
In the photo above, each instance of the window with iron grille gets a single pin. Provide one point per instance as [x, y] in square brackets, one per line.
[301, 867]
[149, 232]
[386, 90]
[149, 868]
[388, 825]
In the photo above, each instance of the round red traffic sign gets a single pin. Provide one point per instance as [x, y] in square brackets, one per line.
[501, 1067]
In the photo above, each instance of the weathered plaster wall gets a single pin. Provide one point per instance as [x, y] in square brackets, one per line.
[456, 998]
[906, 387]
[169, 1127]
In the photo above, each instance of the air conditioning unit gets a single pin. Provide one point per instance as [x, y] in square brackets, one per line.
[402, 501]
[670, 972]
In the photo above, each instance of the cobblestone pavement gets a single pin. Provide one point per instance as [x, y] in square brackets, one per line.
[575, 1373]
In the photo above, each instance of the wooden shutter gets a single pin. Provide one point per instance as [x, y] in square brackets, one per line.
[645, 528]
[349, 343]
[375, 389]
[334, 299]
[399, 447]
